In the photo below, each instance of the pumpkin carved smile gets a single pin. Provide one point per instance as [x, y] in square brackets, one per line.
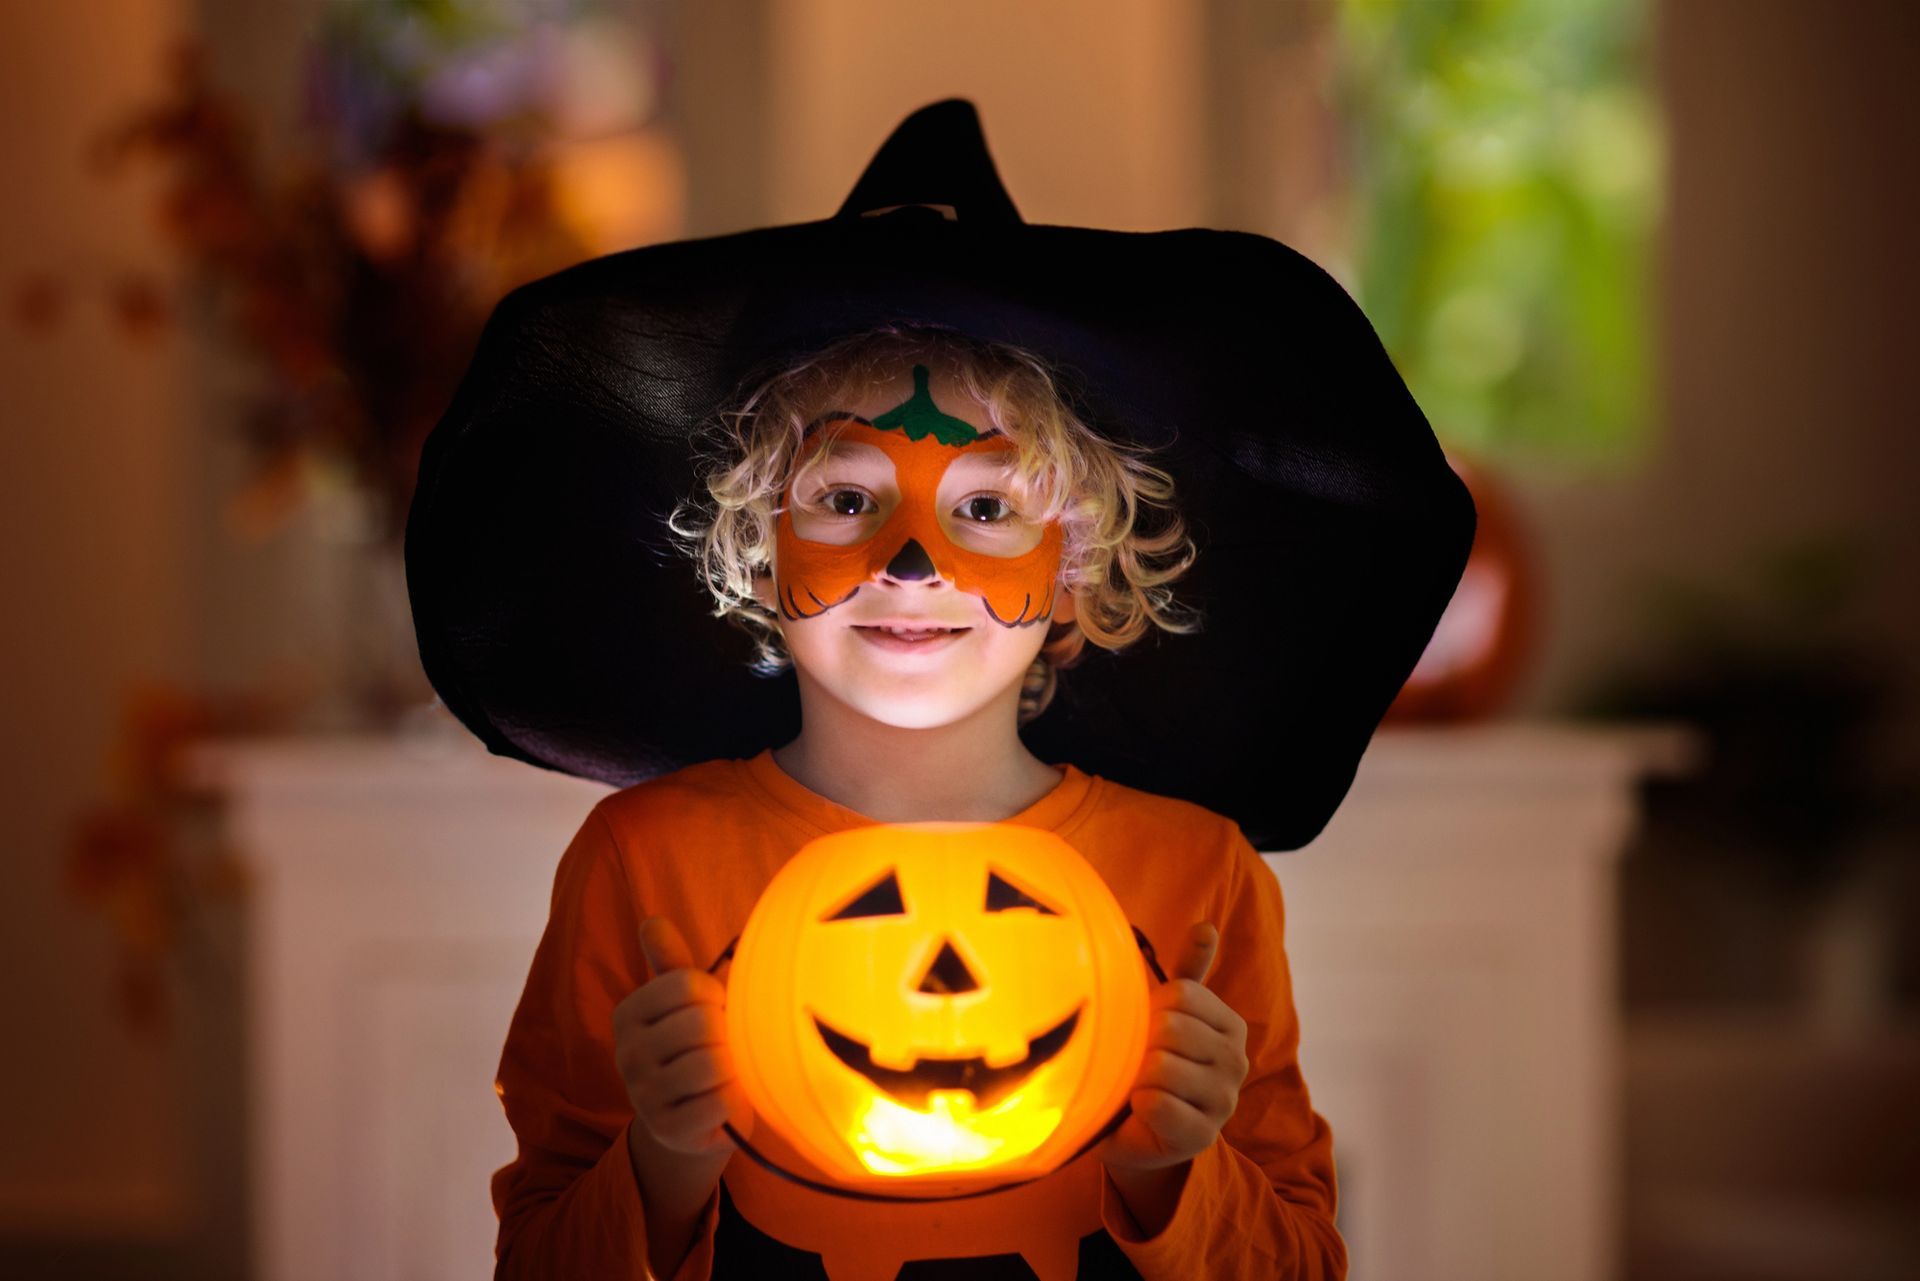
[911, 1087]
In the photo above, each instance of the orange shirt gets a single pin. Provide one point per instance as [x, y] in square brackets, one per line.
[697, 846]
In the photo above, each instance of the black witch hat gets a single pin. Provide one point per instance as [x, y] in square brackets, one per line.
[559, 623]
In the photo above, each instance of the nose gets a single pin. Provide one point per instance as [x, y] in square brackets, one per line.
[911, 564]
[948, 975]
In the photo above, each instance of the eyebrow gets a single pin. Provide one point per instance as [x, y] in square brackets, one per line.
[853, 459]
[857, 451]
[848, 449]
[994, 462]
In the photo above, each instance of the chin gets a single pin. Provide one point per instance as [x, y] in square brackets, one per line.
[907, 712]
[916, 704]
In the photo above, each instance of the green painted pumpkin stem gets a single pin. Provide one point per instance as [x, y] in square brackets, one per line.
[919, 417]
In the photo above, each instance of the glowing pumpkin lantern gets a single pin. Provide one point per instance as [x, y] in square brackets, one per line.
[927, 1005]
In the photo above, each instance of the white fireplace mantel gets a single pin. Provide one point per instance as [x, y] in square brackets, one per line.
[1451, 935]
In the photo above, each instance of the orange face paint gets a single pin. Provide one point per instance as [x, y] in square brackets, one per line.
[921, 443]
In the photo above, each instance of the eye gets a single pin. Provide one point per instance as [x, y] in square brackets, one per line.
[882, 898]
[1003, 896]
[987, 509]
[843, 501]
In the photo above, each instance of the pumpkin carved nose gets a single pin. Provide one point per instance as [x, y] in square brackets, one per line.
[948, 974]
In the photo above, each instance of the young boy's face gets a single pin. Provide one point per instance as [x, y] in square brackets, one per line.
[912, 518]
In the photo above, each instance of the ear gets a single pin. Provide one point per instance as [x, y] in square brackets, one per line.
[763, 591]
[1064, 609]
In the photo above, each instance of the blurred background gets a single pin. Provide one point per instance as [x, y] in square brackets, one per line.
[1646, 264]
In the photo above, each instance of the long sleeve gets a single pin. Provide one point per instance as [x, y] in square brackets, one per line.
[1260, 1201]
[569, 1204]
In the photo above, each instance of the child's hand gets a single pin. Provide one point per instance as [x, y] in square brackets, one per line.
[1189, 1082]
[670, 1043]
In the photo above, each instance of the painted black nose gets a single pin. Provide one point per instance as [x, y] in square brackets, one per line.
[948, 974]
[911, 563]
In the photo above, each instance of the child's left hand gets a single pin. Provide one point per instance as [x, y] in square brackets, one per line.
[1189, 1082]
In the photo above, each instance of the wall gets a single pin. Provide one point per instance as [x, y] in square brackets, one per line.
[1093, 108]
[96, 550]
[1784, 313]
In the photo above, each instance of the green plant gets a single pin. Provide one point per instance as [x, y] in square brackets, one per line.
[1507, 161]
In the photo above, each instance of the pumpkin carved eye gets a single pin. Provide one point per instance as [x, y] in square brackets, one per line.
[882, 898]
[1003, 895]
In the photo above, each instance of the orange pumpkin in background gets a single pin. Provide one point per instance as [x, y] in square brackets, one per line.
[921, 1008]
[1484, 640]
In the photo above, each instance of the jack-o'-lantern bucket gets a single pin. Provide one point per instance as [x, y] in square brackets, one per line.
[923, 1008]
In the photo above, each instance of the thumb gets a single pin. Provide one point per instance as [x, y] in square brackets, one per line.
[664, 948]
[1196, 954]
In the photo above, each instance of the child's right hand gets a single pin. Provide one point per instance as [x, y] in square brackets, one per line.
[670, 1043]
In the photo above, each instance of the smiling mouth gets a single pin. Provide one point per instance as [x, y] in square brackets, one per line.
[912, 1086]
[902, 642]
[911, 631]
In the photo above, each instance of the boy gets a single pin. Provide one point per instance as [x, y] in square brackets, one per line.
[904, 675]
[925, 523]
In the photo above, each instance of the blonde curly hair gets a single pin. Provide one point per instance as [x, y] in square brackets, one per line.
[1102, 491]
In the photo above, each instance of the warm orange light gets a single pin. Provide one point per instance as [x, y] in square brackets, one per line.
[923, 1006]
